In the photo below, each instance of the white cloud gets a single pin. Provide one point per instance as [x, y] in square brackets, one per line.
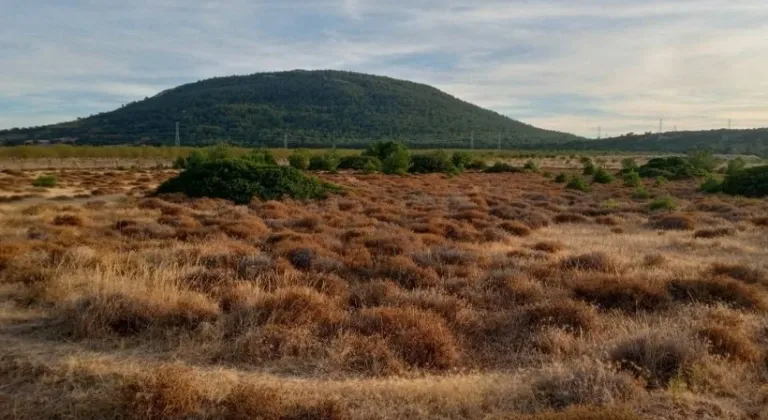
[567, 65]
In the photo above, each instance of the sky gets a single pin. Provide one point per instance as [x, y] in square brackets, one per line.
[567, 65]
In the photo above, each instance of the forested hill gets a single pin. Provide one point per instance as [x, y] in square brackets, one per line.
[310, 108]
[751, 142]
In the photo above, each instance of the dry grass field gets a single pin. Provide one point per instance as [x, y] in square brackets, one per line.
[482, 296]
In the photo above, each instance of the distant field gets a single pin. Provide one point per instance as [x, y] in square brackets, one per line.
[127, 157]
[476, 296]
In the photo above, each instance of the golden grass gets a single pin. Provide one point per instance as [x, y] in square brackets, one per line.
[479, 296]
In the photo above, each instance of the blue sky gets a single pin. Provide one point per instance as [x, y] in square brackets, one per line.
[566, 65]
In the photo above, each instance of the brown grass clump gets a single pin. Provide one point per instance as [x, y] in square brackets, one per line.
[741, 272]
[625, 294]
[731, 343]
[292, 306]
[514, 228]
[718, 290]
[572, 316]
[509, 289]
[165, 393]
[607, 221]
[550, 247]
[657, 358]
[273, 342]
[571, 218]
[714, 233]
[367, 356]
[760, 221]
[406, 273]
[590, 383]
[372, 293]
[673, 222]
[420, 338]
[654, 260]
[587, 412]
[68, 220]
[125, 316]
[596, 261]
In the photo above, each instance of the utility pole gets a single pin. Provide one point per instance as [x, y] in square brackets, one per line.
[285, 141]
[729, 124]
[599, 132]
[472, 139]
[178, 138]
[499, 140]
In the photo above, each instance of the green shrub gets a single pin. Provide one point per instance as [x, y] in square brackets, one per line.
[577, 183]
[500, 167]
[704, 161]
[45, 181]
[640, 193]
[477, 164]
[431, 163]
[531, 166]
[672, 168]
[395, 157]
[328, 161]
[397, 163]
[462, 160]
[602, 176]
[360, 163]
[239, 180]
[632, 179]
[383, 150]
[589, 169]
[299, 159]
[628, 165]
[561, 177]
[660, 181]
[662, 203]
[735, 166]
[258, 157]
[750, 182]
[711, 185]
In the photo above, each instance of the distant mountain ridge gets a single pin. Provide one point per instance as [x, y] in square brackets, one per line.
[306, 108]
[747, 142]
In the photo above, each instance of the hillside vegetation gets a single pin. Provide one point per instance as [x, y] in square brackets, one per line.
[310, 108]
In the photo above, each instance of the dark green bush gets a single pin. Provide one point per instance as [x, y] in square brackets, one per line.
[602, 176]
[577, 183]
[735, 166]
[671, 168]
[711, 185]
[299, 159]
[477, 164]
[431, 163]
[328, 161]
[500, 167]
[561, 177]
[462, 160]
[750, 182]
[589, 169]
[240, 180]
[360, 163]
[383, 150]
[45, 181]
[395, 157]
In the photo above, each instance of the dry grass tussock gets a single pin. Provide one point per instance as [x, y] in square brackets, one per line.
[479, 296]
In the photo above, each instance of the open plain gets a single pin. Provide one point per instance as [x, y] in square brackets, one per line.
[481, 296]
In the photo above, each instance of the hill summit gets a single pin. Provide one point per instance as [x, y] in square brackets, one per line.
[308, 108]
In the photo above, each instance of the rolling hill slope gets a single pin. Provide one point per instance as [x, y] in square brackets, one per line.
[310, 108]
